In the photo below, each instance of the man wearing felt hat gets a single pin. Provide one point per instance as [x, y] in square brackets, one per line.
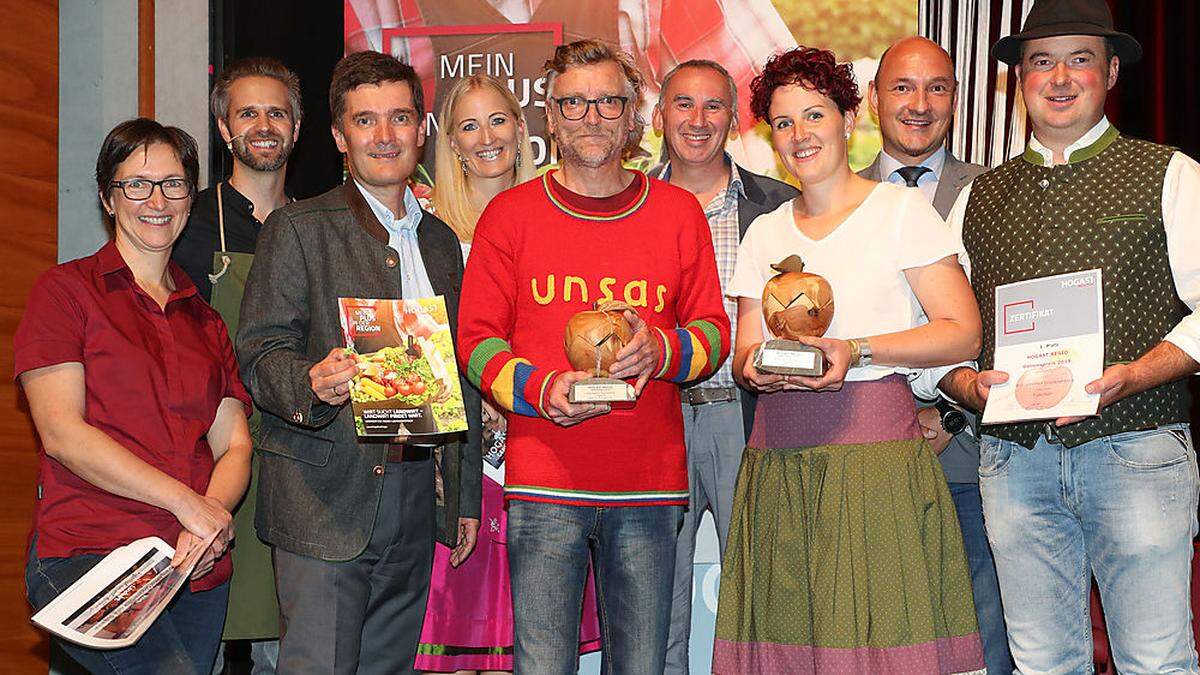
[1112, 496]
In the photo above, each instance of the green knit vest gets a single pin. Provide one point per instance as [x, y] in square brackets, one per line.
[1101, 210]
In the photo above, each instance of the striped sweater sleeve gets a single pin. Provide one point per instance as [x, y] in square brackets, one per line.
[486, 316]
[698, 346]
[691, 352]
[508, 380]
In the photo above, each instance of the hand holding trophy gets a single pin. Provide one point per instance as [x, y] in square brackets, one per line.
[795, 303]
[592, 339]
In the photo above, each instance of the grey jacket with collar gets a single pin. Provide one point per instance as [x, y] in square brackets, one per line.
[318, 486]
[761, 195]
[956, 174]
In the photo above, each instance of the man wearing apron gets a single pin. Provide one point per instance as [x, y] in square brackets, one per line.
[256, 103]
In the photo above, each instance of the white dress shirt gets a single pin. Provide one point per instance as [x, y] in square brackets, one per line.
[402, 236]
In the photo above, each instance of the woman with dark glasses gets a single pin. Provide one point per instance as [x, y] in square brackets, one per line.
[133, 387]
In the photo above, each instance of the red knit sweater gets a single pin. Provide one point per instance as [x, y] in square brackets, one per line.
[535, 261]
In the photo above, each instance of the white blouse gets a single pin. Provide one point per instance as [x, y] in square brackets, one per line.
[863, 259]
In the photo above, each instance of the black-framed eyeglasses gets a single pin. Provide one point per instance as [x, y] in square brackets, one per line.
[140, 189]
[576, 107]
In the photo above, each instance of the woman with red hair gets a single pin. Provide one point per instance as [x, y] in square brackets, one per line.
[844, 553]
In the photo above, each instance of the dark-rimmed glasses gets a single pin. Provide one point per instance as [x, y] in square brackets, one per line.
[140, 189]
[575, 108]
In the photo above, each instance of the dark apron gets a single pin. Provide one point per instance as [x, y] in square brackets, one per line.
[253, 608]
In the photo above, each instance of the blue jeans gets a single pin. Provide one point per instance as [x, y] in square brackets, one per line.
[632, 550]
[984, 585]
[1121, 508]
[714, 450]
[183, 639]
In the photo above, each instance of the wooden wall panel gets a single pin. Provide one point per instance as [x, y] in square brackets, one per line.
[29, 241]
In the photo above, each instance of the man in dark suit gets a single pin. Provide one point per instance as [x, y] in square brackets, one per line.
[913, 95]
[696, 113]
[352, 524]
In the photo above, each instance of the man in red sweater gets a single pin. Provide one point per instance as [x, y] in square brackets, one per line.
[583, 480]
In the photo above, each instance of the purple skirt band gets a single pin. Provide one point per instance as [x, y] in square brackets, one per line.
[961, 654]
[861, 412]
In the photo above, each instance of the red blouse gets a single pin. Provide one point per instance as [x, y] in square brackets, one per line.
[153, 381]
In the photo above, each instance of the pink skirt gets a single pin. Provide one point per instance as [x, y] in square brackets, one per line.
[469, 618]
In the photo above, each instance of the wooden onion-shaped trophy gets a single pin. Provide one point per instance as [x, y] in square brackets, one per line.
[592, 339]
[794, 303]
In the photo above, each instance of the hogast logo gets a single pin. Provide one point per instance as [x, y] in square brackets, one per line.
[635, 293]
[1079, 282]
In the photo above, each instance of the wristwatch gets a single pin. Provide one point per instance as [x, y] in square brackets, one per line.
[953, 419]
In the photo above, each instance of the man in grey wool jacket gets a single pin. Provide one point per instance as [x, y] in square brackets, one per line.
[352, 523]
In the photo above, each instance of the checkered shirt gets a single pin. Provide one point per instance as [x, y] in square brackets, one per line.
[722, 215]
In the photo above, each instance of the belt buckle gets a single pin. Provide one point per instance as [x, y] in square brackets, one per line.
[1050, 432]
[699, 396]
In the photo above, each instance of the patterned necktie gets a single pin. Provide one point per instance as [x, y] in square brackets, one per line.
[912, 174]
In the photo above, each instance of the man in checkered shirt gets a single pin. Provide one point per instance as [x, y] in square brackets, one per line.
[696, 114]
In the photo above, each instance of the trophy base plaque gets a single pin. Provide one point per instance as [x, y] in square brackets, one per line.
[601, 390]
[788, 357]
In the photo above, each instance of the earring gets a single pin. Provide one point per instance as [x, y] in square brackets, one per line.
[518, 157]
[462, 163]
[847, 135]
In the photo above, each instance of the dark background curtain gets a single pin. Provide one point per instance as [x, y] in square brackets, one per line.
[307, 37]
[1158, 98]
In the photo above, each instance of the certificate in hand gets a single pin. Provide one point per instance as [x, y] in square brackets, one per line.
[1050, 341]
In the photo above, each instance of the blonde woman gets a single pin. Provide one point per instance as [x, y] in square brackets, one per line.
[482, 149]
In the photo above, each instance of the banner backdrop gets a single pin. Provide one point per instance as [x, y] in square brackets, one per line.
[511, 39]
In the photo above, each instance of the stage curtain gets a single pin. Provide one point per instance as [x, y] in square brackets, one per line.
[1157, 98]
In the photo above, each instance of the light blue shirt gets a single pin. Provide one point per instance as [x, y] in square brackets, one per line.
[927, 183]
[402, 236]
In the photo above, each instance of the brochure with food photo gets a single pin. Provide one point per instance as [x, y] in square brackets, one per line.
[407, 382]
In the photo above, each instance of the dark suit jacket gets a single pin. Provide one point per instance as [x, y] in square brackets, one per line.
[956, 174]
[960, 460]
[762, 195]
[318, 489]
